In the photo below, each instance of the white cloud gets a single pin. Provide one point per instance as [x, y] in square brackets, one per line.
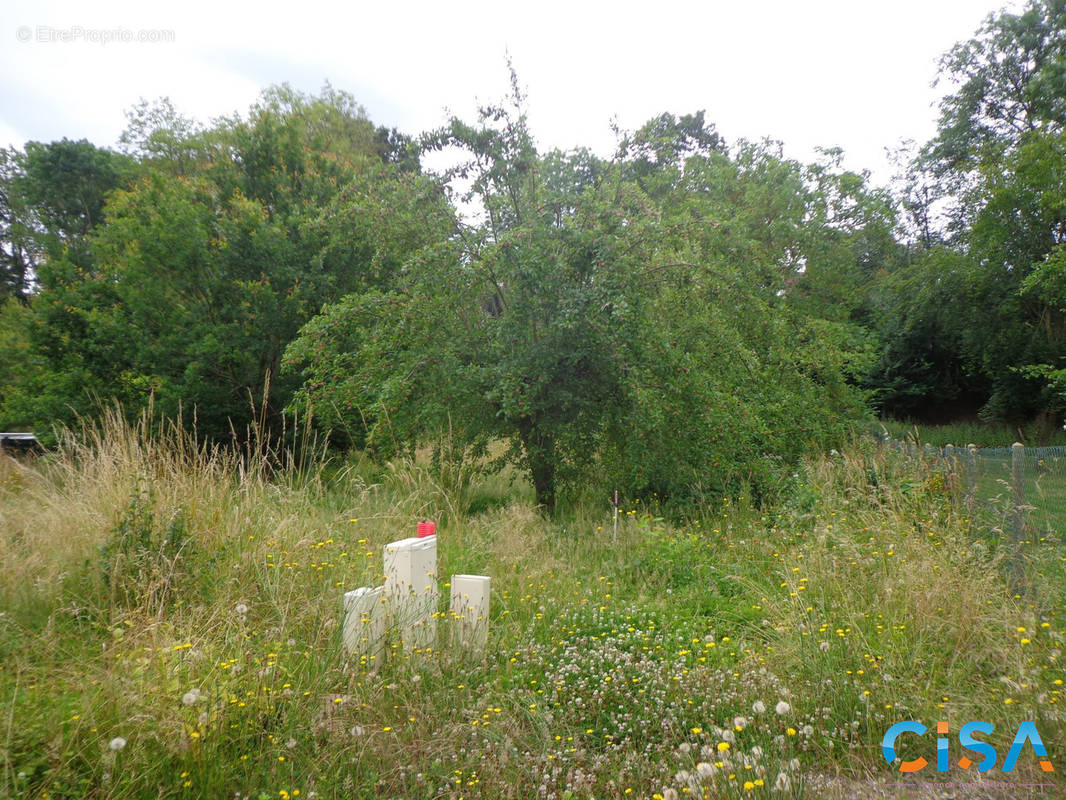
[829, 72]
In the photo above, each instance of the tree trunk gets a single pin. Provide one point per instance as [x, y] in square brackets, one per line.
[540, 459]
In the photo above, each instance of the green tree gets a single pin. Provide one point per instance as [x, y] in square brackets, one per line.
[18, 246]
[958, 323]
[187, 283]
[602, 318]
[66, 184]
[517, 328]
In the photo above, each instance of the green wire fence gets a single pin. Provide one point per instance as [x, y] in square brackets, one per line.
[1020, 490]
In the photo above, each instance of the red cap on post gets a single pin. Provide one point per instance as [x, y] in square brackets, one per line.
[426, 528]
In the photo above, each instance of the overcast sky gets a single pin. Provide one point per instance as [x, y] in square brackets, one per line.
[849, 73]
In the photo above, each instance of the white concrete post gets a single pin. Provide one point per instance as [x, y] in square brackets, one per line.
[411, 592]
[364, 623]
[470, 610]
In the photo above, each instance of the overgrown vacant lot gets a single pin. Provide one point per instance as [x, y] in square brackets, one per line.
[170, 626]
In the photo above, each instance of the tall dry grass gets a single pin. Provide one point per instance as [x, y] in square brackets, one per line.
[187, 599]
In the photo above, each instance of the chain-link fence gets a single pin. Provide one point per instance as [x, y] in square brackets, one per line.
[1020, 490]
[1025, 484]
[1028, 483]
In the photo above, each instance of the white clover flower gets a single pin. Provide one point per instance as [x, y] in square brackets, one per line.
[807, 730]
[190, 697]
[117, 743]
[758, 707]
[782, 707]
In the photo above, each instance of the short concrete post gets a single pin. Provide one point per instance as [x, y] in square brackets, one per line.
[364, 623]
[411, 592]
[470, 610]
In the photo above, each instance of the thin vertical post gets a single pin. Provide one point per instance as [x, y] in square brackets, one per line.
[614, 534]
[1017, 472]
[971, 477]
[1017, 479]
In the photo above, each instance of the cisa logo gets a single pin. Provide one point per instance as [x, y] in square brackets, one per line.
[1026, 732]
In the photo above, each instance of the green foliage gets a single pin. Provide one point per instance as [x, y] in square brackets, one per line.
[1009, 81]
[186, 282]
[920, 312]
[1019, 155]
[678, 320]
[624, 319]
[962, 327]
[144, 557]
[20, 372]
[67, 182]
[18, 249]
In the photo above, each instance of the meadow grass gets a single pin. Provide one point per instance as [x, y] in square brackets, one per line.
[170, 627]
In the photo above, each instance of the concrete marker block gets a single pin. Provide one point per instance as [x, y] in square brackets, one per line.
[363, 633]
[411, 593]
[469, 604]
